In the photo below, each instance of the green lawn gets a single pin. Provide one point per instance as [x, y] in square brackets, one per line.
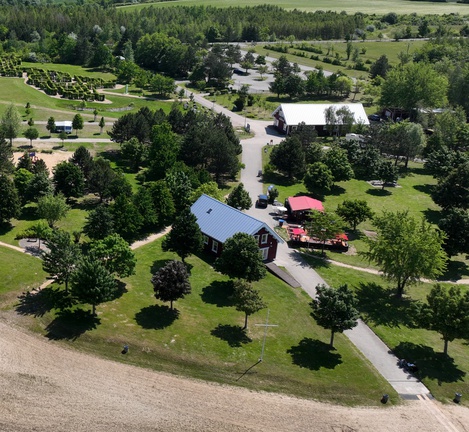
[378, 7]
[71, 69]
[205, 340]
[391, 320]
[18, 272]
[43, 106]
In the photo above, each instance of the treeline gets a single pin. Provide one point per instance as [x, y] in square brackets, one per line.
[185, 23]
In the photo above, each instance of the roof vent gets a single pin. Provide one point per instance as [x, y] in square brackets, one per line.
[209, 211]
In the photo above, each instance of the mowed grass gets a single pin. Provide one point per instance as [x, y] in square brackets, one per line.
[14, 90]
[71, 69]
[18, 272]
[377, 7]
[204, 339]
[391, 319]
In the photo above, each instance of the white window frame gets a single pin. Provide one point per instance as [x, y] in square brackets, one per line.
[264, 253]
[214, 246]
[257, 237]
[205, 239]
[265, 238]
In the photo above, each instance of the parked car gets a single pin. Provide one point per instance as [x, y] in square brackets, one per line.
[262, 201]
[374, 117]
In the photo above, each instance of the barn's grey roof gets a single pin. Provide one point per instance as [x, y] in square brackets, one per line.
[220, 221]
[314, 114]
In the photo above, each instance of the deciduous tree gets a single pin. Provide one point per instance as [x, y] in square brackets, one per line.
[406, 249]
[11, 122]
[69, 179]
[246, 299]
[31, 133]
[171, 282]
[52, 208]
[289, 158]
[115, 255]
[318, 176]
[447, 313]
[91, 283]
[354, 212]
[334, 309]
[77, 123]
[241, 258]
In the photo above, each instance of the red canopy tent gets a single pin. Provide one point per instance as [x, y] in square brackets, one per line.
[298, 231]
[342, 236]
[302, 203]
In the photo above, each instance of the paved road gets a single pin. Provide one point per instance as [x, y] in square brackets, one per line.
[361, 336]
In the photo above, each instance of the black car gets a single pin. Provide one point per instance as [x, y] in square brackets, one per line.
[262, 201]
[374, 117]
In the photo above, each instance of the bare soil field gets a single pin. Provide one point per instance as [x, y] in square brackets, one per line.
[46, 387]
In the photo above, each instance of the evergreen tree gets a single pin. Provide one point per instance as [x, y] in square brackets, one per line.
[185, 237]
[9, 200]
[99, 223]
[61, 259]
[239, 198]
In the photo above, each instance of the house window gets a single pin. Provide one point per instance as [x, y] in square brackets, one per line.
[215, 246]
[264, 238]
[257, 238]
[265, 253]
[205, 239]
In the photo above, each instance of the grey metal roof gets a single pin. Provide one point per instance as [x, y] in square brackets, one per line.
[220, 221]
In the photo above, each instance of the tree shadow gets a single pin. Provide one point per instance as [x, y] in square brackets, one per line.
[431, 364]
[278, 179]
[455, 270]
[156, 317]
[29, 213]
[314, 355]
[218, 293]
[121, 289]
[382, 307]
[71, 324]
[5, 228]
[378, 192]
[234, 335]
[43, 301]
[88, 203]
[336, 190]
[158, 264]
[425, 188]
[432, 216]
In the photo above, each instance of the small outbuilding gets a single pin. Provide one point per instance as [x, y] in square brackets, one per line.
[299, 206]
[287, 117]
[63, 126]
[219, 222]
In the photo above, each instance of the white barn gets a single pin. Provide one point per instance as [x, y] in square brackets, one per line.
[288, 116]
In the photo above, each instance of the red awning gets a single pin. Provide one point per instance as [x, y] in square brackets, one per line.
[298, 231]
[305, 203]
[342, 236]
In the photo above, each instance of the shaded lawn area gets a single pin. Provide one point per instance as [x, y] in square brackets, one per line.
[393, 321]
[203, 337]
[18, 272]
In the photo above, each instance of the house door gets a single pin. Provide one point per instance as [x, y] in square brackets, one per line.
[265, 253]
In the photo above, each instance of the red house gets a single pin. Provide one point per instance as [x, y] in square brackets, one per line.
[219, 222]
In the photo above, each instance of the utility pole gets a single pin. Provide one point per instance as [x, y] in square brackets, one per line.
[265, 333]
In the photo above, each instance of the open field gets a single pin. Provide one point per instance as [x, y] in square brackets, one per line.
[204, 338]
[378, 7]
